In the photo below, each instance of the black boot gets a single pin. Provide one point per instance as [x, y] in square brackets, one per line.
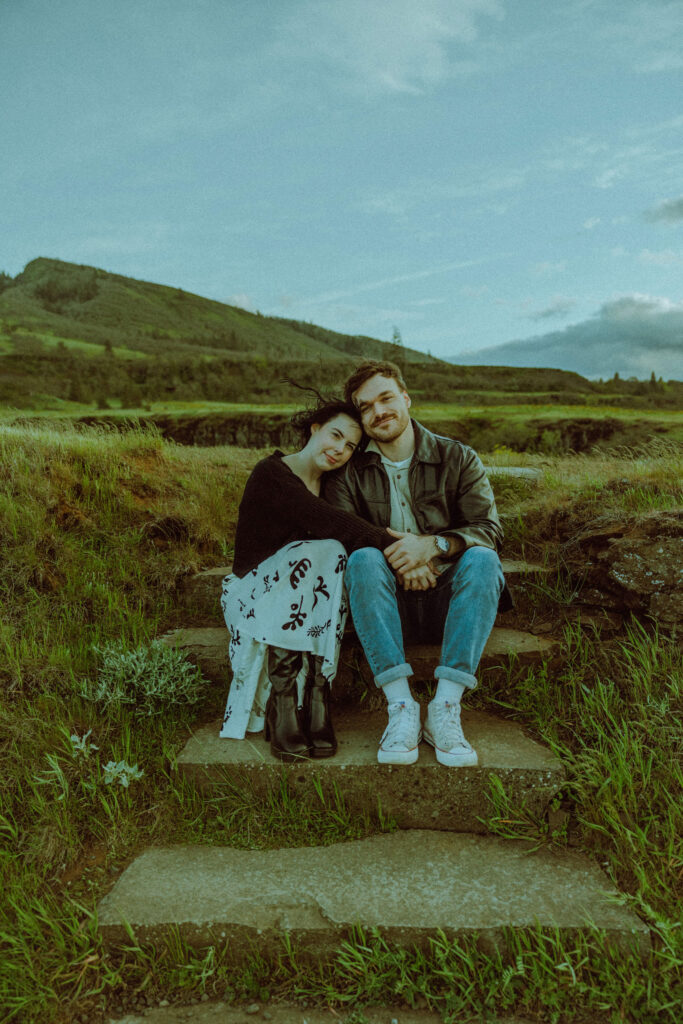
[316, 712]
[283, 727]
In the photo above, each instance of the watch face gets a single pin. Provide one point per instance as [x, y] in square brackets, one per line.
[442, 544]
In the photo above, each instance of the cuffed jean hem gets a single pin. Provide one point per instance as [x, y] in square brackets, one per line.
[455, 675]
[390, 675]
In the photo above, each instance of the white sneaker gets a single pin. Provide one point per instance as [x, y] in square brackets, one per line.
[401, 739]
[444, 731]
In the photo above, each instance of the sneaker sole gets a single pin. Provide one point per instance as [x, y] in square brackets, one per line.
[397, 756]
[468, 759]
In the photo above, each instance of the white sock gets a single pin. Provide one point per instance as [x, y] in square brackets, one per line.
[398, 691]
[449, 691]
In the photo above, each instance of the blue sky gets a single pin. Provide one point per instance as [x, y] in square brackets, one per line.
[472, 172]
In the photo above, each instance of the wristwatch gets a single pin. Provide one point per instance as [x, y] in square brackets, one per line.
[443, 545]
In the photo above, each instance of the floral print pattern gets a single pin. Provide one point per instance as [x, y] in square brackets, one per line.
[296, 600]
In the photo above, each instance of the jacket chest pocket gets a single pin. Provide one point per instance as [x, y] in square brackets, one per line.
[377, 511]
[432, 512]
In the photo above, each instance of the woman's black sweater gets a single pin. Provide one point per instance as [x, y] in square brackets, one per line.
[278, 508]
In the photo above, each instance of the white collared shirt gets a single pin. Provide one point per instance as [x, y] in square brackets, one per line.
[402, 515]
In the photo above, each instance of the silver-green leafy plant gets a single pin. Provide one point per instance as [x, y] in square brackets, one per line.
[150, 679]
[82, 746]
[121, 772]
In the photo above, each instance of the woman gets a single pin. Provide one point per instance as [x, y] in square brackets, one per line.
[284, 604]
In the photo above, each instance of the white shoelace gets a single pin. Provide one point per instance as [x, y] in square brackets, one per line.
[445, 721]
[403, 728]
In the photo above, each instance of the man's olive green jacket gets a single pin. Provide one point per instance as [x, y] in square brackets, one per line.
[449, 487]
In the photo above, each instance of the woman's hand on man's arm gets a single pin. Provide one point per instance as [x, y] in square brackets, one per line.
[412, 550]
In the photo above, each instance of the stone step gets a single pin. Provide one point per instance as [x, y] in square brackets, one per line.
[422, 795]
[202, 590]
[531, 473]
[408, 885]
[286, 1013]
[207, 647]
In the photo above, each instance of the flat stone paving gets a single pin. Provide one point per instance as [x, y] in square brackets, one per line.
[207, 647]
[407, 884]
[423, 795]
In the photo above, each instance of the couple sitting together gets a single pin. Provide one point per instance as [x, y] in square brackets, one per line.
[377, 513]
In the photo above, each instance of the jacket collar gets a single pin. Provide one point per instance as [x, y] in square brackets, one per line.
[426, 449]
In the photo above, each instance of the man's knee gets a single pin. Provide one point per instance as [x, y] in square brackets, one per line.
[364, 563]
[480, 566]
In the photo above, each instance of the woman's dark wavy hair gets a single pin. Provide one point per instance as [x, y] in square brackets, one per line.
[325, 408]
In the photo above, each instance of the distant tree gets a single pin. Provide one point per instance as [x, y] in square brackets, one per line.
[5, 280]
[79, 391]
[396, 352]
[131, 396]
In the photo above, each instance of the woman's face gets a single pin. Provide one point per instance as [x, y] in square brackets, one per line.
[333, 443]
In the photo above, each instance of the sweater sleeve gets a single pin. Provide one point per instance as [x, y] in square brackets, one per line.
[321, 519]
[275, 495]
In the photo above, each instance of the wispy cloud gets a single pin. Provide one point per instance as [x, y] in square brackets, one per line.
[548, 268]
[647, 35]
[661, 257]
[371, 286]
[670, 211]
[650, 152]
[399, 202]
[389, 46]
[559, 307]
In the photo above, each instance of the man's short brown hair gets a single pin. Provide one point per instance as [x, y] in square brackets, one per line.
[369, 368]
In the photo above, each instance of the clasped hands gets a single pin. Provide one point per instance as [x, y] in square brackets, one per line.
[410, 558]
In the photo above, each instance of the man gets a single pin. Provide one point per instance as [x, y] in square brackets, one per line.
[441, 580]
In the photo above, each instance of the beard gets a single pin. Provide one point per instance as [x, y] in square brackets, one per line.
[389, 429]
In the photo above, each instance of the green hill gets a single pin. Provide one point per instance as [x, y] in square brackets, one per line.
[77, 334]
[53, 301]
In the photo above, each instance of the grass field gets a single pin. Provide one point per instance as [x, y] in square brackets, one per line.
[97, 532]
[525, 429]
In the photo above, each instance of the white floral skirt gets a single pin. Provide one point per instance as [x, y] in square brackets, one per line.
[295, 599]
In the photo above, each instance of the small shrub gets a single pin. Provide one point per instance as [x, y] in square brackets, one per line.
[151, 678]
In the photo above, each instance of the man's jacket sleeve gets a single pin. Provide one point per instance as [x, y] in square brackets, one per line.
[476, 517]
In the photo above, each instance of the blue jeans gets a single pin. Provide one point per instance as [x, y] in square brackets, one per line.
[458, 613]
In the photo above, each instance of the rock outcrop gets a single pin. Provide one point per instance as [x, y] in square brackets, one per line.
[633, 566]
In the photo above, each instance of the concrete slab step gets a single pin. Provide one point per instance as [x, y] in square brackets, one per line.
[203, 589]
[279, 1013]
[207, 647]
[408, 885]
[422, 795]
[531, 473]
